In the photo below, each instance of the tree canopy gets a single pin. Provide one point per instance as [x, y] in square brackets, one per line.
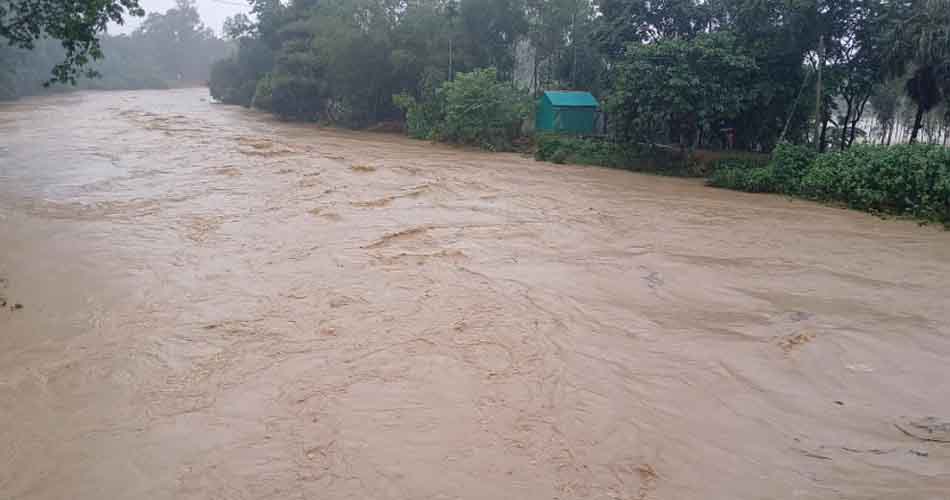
[77, 24]
[698, 73]
[168, 48]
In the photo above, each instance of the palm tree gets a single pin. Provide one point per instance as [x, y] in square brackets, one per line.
[920, 43]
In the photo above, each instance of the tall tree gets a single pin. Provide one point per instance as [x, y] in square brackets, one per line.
[76, 23]
[919, 38]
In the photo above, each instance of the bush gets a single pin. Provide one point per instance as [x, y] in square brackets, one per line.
[558, 148]
[745, 177]
[422, 118]
[790, 163]
[228, 85]
[263, 94]
[902, 180]
[423, 115]
[296, 97]
[474, 109]
[581, 151]
[481, 111]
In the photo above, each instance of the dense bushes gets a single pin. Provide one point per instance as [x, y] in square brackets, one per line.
[781, 175]
[422, 116]
[658, 159]
[482, 111]
[744, 177]
[903, 180]
[474, 109]
[558, 148]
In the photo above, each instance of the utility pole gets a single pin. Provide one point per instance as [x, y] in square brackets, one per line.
[821, 62]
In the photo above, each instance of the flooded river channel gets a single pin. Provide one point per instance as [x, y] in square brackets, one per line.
[204, 303]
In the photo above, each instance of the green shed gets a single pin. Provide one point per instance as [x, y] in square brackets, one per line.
[567, 111]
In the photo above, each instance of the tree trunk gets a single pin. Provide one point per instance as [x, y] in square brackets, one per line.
[574, 47]
[781, 138]
[819, 129]
[822, 138]
[845, 122]
[857, 117]
[535, 76]
[917, 124]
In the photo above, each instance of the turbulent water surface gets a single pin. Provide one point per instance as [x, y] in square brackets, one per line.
[202, 302]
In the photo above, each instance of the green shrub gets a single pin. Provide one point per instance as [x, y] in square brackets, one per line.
[482, 111]
[703, 162]
[474, 109]
[263, 93]
[423, 115]
[909, 180]
[904, 179]
[745, 177]
[422, 118]
[790, 163]
[297, 97]
[558, 148]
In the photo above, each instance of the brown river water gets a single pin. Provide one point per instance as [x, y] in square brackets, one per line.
[217, 305]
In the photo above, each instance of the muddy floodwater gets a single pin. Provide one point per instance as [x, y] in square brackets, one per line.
[201, 302]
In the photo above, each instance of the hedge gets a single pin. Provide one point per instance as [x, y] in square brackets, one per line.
[911, 180]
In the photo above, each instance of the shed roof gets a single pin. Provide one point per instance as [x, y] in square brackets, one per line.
[572, 99]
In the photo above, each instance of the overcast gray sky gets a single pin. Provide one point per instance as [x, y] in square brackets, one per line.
[213, 12]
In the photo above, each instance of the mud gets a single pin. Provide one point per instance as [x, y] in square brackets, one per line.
[218, 305]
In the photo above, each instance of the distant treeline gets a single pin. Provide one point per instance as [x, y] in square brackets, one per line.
[166, 50]
[694, 73]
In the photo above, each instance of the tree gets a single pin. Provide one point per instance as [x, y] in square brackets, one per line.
[919, 38]
[856, 63]
[76, 23]
[482, 111]
[179, 42]
[885, 102]
[627, 21]
[683, 89]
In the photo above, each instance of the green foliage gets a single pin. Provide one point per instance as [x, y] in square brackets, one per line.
[909, 180]
[297, 97]
[558, 148]
[423, 115]
[474, 109]
[263, 94]
[234, 80]
[422, 118]
[170, 48]
[904, 180]
[789, 164]
[745, 177]
[227, 86]
[76, 24]
[342, 61]
[482, 111]
[918, 45]
[662, 160]
[685, 88]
